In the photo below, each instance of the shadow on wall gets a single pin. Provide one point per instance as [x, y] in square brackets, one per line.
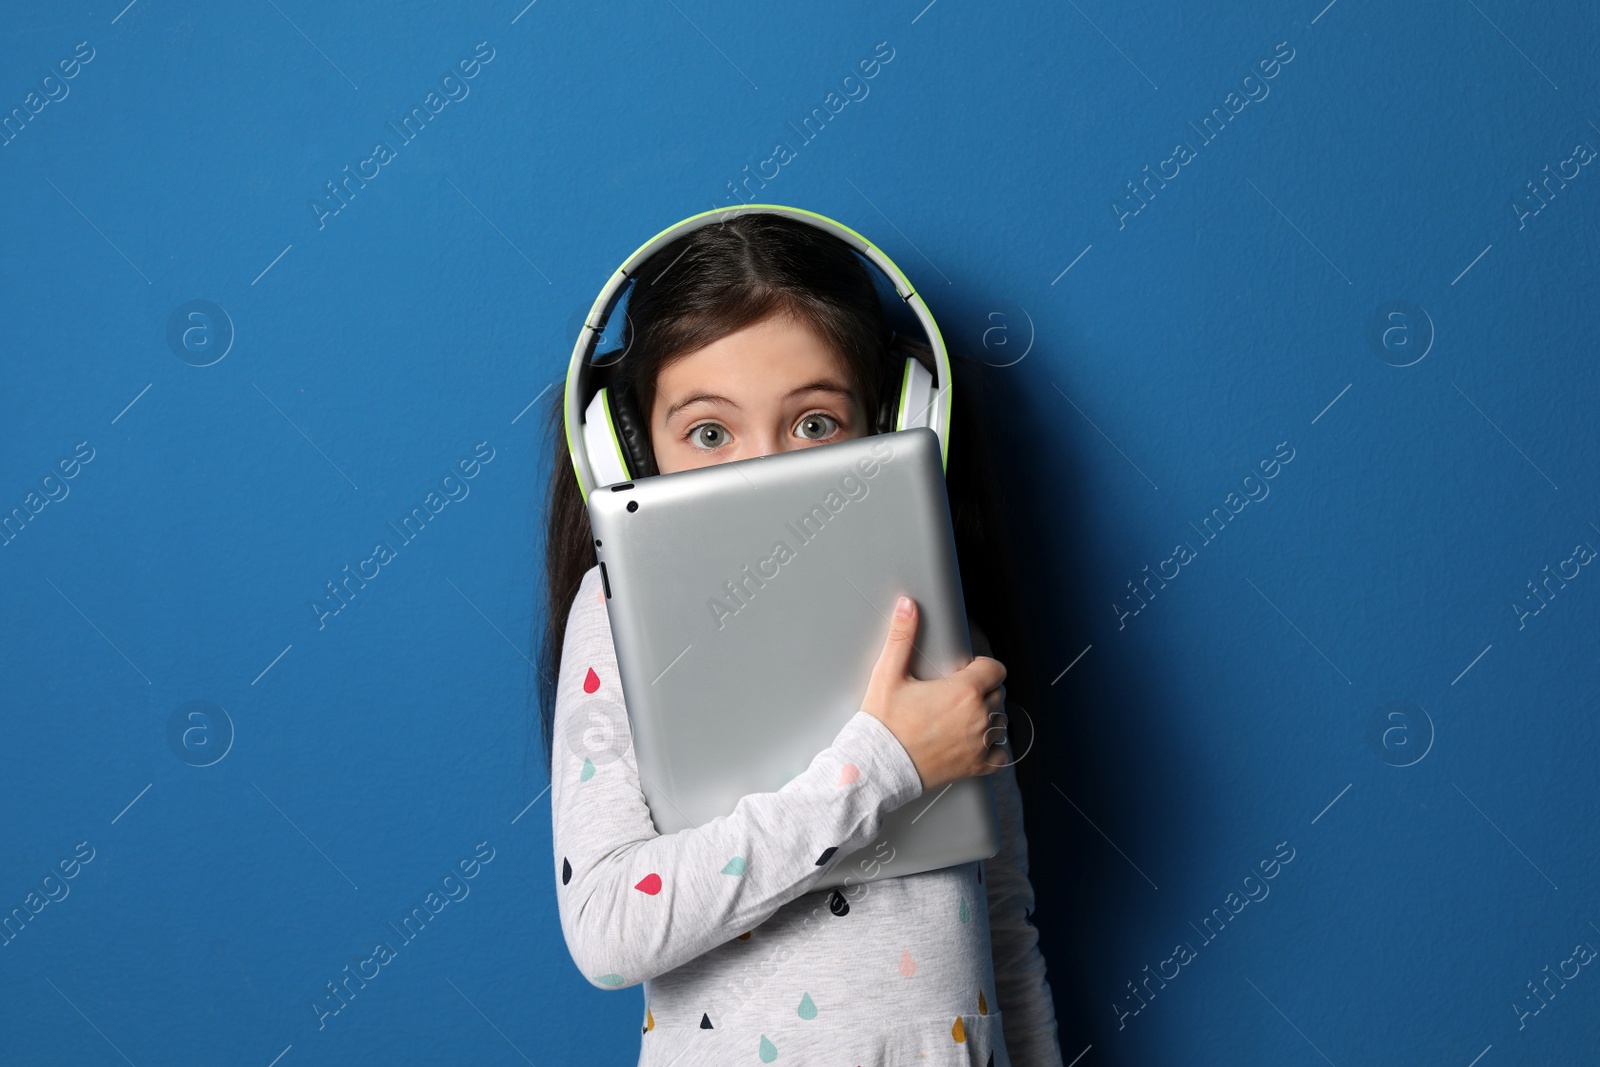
[1106, 755]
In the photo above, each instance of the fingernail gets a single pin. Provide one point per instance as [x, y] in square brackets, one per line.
[902, 607]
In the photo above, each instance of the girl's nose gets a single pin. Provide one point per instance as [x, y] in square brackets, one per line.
[763, 445]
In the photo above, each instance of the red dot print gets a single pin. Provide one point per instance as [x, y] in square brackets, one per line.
[591, 681]
[651, 883]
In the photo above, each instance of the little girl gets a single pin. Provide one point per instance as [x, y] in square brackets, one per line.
[755, 336]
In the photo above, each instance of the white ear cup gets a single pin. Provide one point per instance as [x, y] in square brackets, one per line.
[601, 444]
[916, 398]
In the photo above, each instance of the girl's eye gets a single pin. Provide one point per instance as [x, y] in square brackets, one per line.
[709, 435]
[818, 426]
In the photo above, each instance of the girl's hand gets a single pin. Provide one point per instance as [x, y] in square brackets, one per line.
[952, 727]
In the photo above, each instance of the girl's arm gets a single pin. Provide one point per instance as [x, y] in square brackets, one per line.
[1027, 1012]
[635, 903]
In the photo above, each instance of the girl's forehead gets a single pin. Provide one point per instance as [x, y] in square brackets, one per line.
[766, 360]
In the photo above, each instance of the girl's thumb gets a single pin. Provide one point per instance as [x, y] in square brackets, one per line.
[895, 659]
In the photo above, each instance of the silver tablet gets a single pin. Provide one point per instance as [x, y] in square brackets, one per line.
[749, 602]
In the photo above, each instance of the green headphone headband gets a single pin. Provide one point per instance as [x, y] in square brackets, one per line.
[579, 369]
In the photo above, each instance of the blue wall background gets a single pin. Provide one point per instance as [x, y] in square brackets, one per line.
[1353, 276]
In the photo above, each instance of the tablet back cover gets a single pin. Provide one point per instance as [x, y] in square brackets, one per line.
[749, 602]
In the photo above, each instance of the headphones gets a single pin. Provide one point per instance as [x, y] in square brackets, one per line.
[608, 436]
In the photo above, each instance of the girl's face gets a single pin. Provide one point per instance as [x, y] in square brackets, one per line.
[773, 386]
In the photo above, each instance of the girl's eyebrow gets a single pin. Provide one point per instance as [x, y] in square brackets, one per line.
[824, 385]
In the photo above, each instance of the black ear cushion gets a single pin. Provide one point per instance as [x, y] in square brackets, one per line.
[632, 430]
[889, 396]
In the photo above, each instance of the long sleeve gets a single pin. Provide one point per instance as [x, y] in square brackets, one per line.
[635, 903]
[1026, 1005]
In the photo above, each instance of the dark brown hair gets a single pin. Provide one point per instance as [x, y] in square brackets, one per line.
[717, 280]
